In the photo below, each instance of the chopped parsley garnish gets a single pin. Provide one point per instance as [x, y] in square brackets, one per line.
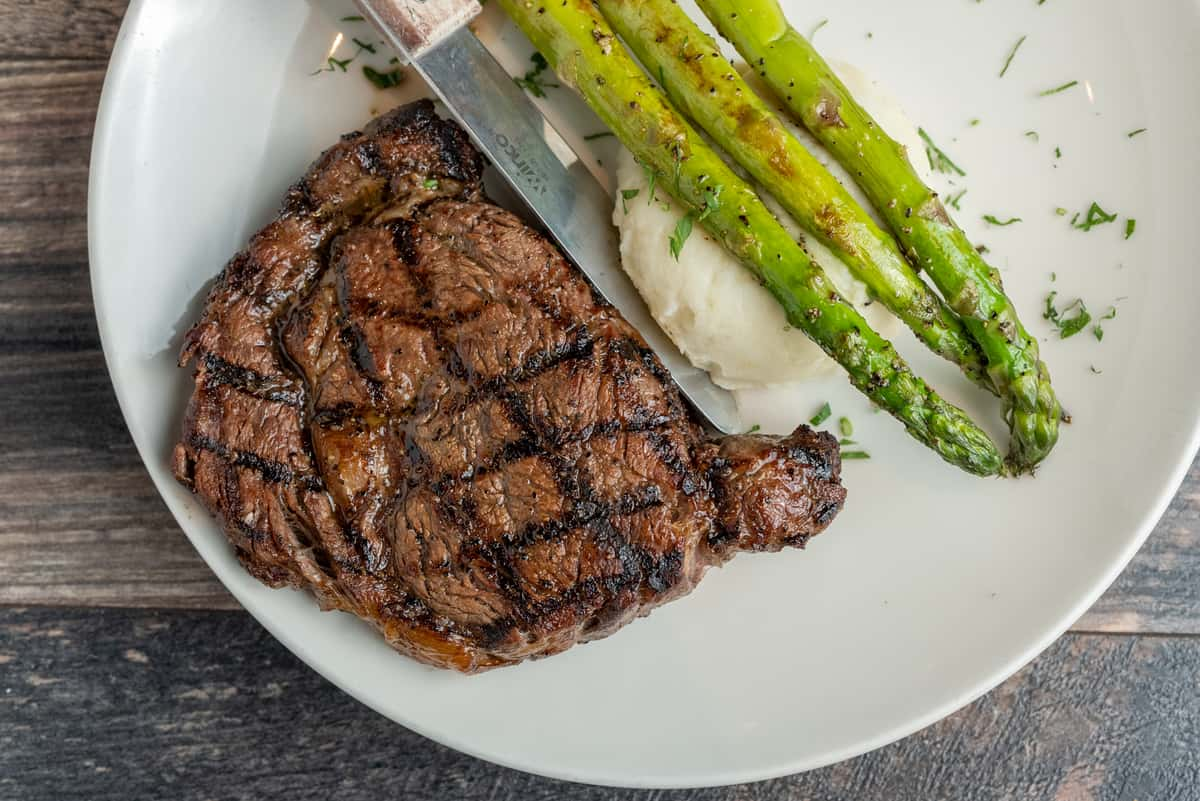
[846, 441]
[332, 64]
[381, 79]
[532, 80]
[353, 18]
[677, 169]
[845, 427]
[1057, 89]
[384, 80]
[1068, 326]
[626, 196]
[1011, 55]
[599, 135]
[1094, 370]
[430, 183]
[651, 177]
[953, 200]
[1058, 152]
[754, 429]
[1033, 135]
[712, 200]
[993, 220]
[1060, 211]
[683, 228]
[855, 455]
[938, 160]
[1109, 315]
[817, 27]
[1095, 216]
[1132, 134]
[821, 416]
[1130, 227]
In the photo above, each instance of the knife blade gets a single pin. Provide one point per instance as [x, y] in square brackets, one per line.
[512, 133]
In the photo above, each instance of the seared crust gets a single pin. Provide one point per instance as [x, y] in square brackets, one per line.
[407, 401]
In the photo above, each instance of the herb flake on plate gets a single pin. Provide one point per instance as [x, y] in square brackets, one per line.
[938, 160]
[821, 416]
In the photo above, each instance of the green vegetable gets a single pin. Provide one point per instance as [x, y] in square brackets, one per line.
[1058, 89]
[938, 160]
[1095, 216]
[585, 52]
[430, 183]
[845, 427]
[1132, 134]
[821, 416]
[1067, 326]
[1130, 227]
[383, 80]
[683, 229]
[651, 178]
[626, 196]
[532, 80]
[855, 455]
[1097, 329]
[994, 220]
[808, 88]
[1011, 55]
[706, 87]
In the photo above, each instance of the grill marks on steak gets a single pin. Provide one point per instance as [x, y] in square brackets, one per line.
[407, 401]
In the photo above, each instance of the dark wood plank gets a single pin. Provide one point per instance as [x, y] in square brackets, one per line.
[59, 29]
[1160, 590]
[47, 112]
[125, 705]
[76, 506]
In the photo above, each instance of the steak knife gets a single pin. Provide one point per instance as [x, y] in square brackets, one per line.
[511, 132]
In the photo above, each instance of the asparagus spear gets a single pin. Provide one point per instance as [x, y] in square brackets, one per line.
[585, 53]
[708, 89]
[806, 84]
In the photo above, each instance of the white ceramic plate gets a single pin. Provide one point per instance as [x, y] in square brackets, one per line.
[932, 586]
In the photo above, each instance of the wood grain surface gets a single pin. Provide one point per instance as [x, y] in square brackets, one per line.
[163, 697]
[120, 704]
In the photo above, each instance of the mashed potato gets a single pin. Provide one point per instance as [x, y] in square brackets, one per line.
[709, 304]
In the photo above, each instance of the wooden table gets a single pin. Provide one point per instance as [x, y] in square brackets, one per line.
[128, 672]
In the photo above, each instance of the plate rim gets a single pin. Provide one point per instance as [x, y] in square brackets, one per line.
[103, 143]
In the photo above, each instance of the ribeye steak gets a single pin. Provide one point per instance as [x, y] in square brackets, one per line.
[409, 403]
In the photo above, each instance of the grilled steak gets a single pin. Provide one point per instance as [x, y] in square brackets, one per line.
[409, 403]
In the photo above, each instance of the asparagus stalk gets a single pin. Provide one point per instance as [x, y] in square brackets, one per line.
[810, 90]
[585, 53]
[706, 87]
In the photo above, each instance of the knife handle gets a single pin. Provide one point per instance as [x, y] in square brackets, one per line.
[415, 26]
